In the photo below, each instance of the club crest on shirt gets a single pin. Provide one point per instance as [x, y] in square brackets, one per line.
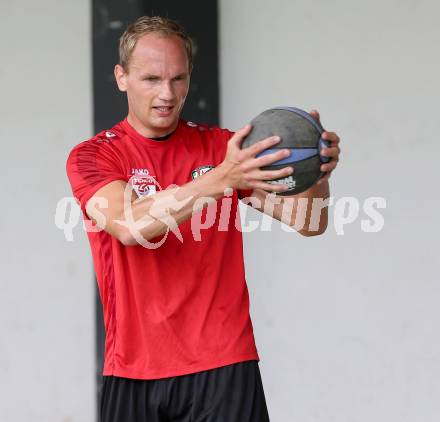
[143, 182]
[200, 171]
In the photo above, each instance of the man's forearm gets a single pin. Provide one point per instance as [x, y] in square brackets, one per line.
[306, 212]
[153, 215]
[316, 213]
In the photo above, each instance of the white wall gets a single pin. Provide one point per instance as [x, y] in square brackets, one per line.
[347, 326]
[47, 360]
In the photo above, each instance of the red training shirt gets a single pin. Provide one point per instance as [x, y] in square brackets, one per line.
[182, 307]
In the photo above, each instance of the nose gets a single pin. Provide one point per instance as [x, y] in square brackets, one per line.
[166, 91]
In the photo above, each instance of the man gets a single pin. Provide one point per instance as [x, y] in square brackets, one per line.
[179, 339]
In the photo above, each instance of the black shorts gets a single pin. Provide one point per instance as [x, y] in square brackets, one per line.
[232, 393]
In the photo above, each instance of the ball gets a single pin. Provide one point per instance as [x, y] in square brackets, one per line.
[301, 134]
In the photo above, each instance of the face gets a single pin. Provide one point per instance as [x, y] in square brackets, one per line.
[156, 82]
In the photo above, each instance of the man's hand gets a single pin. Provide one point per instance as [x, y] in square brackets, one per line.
[241, 168]
[319, 191]
[333, 151]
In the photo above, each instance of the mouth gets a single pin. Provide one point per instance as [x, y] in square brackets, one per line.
[163, 110]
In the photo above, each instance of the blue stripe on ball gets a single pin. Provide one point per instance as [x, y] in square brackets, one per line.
[322, 142]
[296, 154]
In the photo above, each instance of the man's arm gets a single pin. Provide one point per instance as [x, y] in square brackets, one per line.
[115, 208]
[306, 212]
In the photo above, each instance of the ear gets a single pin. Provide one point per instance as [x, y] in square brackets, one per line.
[121, 77]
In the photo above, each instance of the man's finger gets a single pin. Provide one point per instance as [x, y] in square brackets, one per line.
[330, 166]
[260, 146]
[272, 174]
[331, 152]
[271, 187]
[238, 136]
[331, 136]
[315, 114]
[268, 159]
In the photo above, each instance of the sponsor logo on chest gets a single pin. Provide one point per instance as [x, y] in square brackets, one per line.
[143, 182]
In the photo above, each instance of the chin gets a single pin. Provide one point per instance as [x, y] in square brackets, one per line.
[166, 122]
[164, 126]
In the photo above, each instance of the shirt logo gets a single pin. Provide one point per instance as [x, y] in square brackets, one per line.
[140, 172]
[200, 171]
[143, 183]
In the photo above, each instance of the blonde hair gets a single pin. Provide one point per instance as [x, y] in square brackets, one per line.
[151, 24]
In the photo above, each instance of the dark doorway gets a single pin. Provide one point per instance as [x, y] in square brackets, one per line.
[110, 18]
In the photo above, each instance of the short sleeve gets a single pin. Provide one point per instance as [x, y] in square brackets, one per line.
[90, 166]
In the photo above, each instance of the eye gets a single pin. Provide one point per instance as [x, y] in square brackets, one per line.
[180, 78]
[151, 78]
